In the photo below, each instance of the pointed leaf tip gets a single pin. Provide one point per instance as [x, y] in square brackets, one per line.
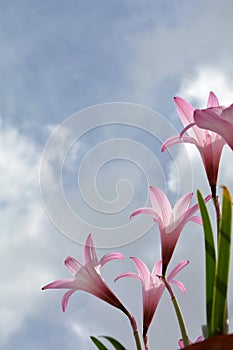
[98, 343]
[114, 342]
[226, 193]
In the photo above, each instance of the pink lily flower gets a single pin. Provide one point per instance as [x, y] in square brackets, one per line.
[152, 286]
[209, 144]
[87, 277]
[171, 221]
[198, 340]
[218, 120]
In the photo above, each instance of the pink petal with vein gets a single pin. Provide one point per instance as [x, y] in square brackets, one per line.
[157, 269]
[72, 264]
[89, 250]
[212, 100]
[65, 299]
[179, 285]
[182, 205]
[160, 204]
[196, 219]
[185, 110]
[145, 210]
[227, 114]
[207, 119]
[143, 271]
[63, 283]
[177, 269]
[127, 274]
[108, 257]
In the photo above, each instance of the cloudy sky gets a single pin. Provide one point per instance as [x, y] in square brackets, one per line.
[86, 100]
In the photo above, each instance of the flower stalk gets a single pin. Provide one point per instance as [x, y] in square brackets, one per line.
[135, 331]
[146, 342]
[178, 312]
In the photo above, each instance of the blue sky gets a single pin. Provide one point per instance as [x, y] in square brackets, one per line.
[66, 58]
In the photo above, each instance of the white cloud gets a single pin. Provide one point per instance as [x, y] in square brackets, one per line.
[18, 159]
[166, 52]
[197, 87]
[22, 222]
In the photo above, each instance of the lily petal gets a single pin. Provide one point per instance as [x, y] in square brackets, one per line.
[145, 210]
[177, 269]
[182, 205]
[196, 219]
[173, 140]
[143, 271]
[227, 114]
[108, 257]
[212, 100]
[185, 110]
[89, 250]
[63, 283]
[157, 269]
[207, 119]
[65, 299]
[160, 204]
[179, 285]
[72, 264]
[189, 213]
[127, 274]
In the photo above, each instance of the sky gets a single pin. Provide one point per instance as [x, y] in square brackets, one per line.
[86, 101]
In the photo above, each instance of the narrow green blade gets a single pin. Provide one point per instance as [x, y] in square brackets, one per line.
[210, 260]
[98, 343]
[221, 283]
[115, 343]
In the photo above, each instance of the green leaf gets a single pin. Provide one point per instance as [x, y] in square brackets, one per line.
[221, 282]
[98, 343]
[210, 260]
[115, 343]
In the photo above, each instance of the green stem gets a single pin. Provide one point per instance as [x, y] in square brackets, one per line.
[181, 323]
[178, 313]
[135, 331]
[137, 340]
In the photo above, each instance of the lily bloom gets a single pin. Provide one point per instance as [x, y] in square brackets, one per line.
[198, 340]
[171, 221]
[218, 120]
[152, 286]
[209, 144]
[87, 277]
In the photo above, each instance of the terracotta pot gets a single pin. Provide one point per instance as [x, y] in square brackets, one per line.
[221, 342]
